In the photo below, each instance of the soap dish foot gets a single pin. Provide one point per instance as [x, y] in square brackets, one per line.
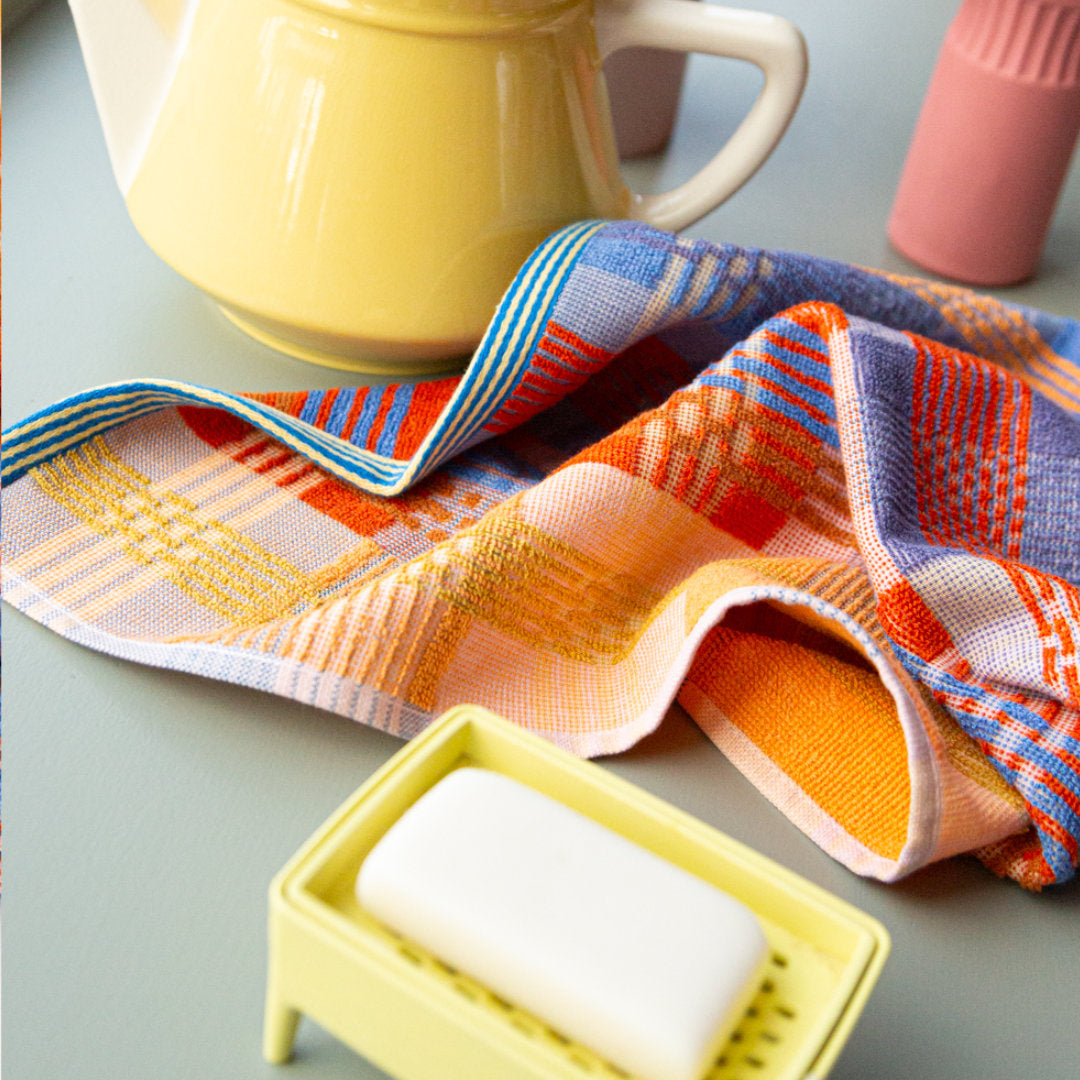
[279, 1030]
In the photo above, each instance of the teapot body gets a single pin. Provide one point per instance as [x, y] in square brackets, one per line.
[357, 181]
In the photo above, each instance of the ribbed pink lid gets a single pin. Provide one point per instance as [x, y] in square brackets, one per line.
[1030, 40]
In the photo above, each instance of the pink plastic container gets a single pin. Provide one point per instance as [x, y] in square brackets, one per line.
[993, 142]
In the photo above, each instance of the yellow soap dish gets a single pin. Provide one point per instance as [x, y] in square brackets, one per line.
[419, 1019]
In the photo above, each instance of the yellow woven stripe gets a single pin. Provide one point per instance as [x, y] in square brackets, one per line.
[842, 585]
[434, 660]
[167, 508]
[763, 270]
[49, 450]
[102, 400]
[327, 580]
[1002, 335]
[967, 759]
[209, 562]
[845, 587]
[710, 582]
[207, 397]
[662, 307]
[540, 590]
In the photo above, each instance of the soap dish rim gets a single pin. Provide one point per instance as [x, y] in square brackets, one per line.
[293, 885]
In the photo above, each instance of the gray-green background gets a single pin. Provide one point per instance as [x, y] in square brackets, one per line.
[145, 812]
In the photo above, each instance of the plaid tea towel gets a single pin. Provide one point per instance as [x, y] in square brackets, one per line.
[834, 512]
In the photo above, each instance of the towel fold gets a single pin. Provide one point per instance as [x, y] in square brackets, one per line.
[834, 512]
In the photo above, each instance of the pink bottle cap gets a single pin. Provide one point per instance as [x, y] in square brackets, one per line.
[993, 142]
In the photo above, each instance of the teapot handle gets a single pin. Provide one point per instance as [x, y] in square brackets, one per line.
[768, 41]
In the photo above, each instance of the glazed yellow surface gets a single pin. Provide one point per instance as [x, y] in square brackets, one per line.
[362, 182]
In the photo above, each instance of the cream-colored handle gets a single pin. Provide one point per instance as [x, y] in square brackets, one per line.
[768, 41]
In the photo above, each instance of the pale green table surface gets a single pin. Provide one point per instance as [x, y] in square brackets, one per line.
[146, 811]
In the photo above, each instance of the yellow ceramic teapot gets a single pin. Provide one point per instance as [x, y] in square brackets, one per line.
[356, 182]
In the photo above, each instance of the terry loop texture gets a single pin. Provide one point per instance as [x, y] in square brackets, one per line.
[835, 513]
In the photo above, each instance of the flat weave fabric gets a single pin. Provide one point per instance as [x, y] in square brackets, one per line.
[835, 513]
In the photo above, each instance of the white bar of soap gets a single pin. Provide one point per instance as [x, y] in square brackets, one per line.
[611, 945]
